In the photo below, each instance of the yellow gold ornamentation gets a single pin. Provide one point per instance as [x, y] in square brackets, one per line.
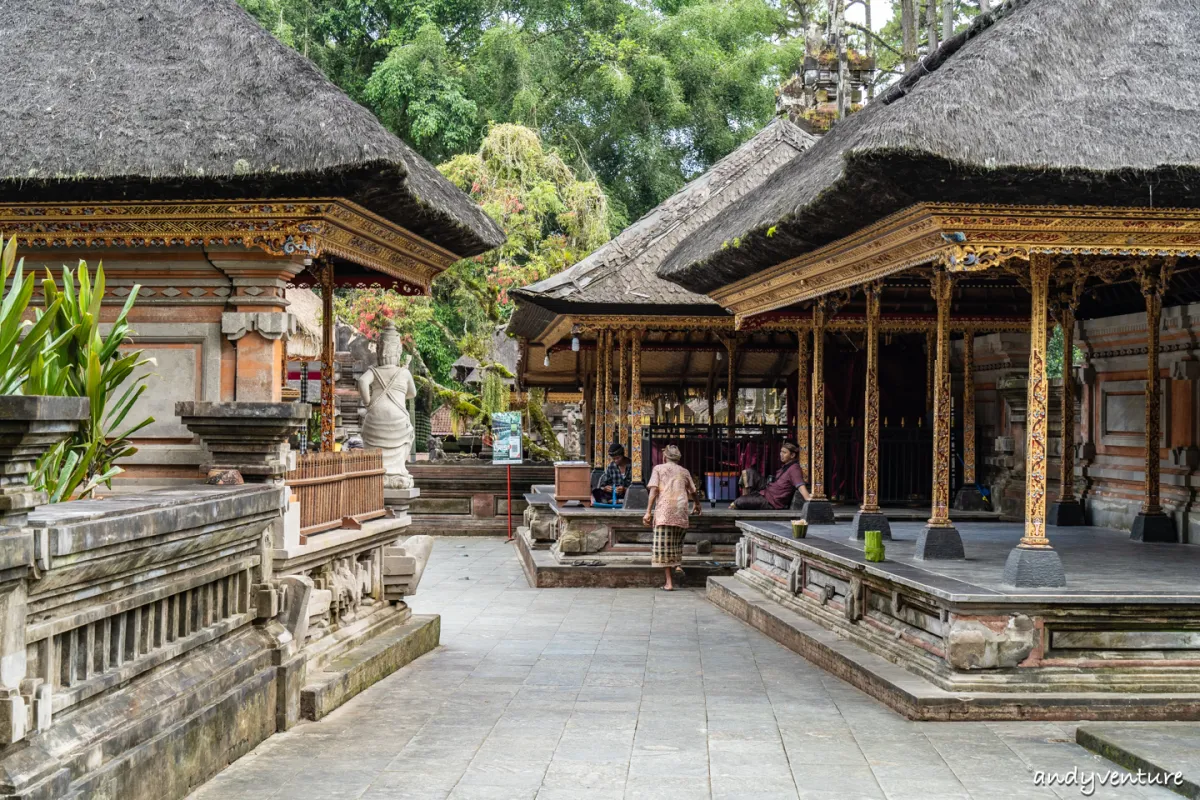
[942, 289]
[1036, 414]
[871, 415]
[802, 399]
[964, 237]
[308, 227]
[636, 411]
[817, 426]
[968, 416]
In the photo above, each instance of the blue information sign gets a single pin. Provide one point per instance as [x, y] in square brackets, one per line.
[506, 437]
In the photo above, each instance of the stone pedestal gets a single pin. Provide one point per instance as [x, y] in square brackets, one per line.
[871, 521]
[969, 498]
[399, 500]
[1034, 568]
[251, 438]
[1065, 514]
[939, 544]
[1153, 528]
[637, 497]
[817, 512]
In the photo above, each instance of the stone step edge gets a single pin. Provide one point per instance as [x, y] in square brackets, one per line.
[913, 696]
[373, 660]
[1092, 738]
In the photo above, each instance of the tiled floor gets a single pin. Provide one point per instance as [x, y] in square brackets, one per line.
[566, 694]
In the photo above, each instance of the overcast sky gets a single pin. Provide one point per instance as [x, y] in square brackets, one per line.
[881, 12]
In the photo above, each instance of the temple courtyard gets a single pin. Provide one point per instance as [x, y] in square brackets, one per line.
[559, 694]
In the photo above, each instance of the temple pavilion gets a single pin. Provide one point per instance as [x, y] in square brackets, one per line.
[202, 159]
[1036, 171]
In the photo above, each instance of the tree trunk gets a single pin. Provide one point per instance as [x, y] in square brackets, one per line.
[870, 49]
[839, 34]
[947, 19]
[984, 6]
[931, 24]
[908, 26]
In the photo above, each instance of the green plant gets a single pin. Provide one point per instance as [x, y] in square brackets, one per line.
[27, 357]
[86, 363]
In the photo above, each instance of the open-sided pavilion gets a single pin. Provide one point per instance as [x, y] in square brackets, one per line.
[1035, 168]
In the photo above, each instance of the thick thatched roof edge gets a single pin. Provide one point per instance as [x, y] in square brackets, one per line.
[1043, 102]
[193, 99]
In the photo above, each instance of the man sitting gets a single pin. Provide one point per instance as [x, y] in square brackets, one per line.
[617, 473]
[788, 480]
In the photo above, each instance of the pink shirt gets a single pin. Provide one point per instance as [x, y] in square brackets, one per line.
[675, 486]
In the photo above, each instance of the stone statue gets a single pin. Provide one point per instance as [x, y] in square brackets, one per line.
[385, 391]
[571, 439]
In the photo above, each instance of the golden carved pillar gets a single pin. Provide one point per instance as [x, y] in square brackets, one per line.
[598, 406]
[328, 389]
[606, 435]
[802, 400]
[1066, 473]
[731, 390]
[1152, 525]
[1034, 562]
[622, 391]
[818, 510]
[968, 412]
[930, 355]
[868, 516]
[939, 539]
[871, 405]
[1037, 411]
[969, 498]
[636, 412]
[942, 289]
[817, 426]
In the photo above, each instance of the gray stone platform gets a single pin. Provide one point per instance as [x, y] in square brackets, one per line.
[631, 694]
[1159, 748]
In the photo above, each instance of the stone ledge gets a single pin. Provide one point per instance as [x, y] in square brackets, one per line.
[367, 664]
[543, 571]
[917, 698]
[1159, 749]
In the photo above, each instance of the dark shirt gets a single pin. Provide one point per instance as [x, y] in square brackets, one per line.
[781, 488]
[617, 474]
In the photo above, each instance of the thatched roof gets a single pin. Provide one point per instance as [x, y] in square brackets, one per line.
[192, 99]
[1056, 102]
[621, 273]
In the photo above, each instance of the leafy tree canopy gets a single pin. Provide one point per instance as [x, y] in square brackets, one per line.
[646, 94]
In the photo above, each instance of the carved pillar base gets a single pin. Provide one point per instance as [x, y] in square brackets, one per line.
[817, 512]
[969, 498]
[871, 521]
[1034, 568]
[1066, 513]
[939, 544]
[1154, 528]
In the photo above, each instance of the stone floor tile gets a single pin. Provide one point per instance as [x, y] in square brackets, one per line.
[582, 694]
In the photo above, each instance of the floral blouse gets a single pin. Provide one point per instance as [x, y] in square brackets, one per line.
[675, 486]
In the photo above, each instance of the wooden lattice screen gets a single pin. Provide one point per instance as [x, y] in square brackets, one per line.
[337, 490]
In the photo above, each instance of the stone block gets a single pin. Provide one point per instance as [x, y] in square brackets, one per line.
[1153, 528]
[12, 716]
[266, 602]
[995, 644]
[934, 544]
[1034, 568]
[1066, 514]
[866, 521]
[578, 540]
[969, 498]
[817, 512]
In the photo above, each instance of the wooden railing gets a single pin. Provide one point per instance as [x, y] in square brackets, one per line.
[337, 490]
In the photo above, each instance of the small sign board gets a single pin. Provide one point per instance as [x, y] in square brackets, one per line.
[506, 437]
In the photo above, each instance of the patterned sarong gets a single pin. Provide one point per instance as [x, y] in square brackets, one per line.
[668, 546]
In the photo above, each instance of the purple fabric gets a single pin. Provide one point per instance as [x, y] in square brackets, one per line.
[780, 490]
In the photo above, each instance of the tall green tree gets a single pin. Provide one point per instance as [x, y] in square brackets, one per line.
[645, 94]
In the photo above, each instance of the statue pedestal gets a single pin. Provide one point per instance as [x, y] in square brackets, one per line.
[251, 438]
[399, 500]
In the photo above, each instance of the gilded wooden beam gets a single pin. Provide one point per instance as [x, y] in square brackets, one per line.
[962, 237]
[307, 227]
[942, 288]
[870, 502]
[1037, 408]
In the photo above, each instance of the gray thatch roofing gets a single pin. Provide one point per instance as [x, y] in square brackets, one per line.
[1041, 102]
[622, 271]
[192, 99]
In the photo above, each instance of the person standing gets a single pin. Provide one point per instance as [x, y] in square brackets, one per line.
[672, 492]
